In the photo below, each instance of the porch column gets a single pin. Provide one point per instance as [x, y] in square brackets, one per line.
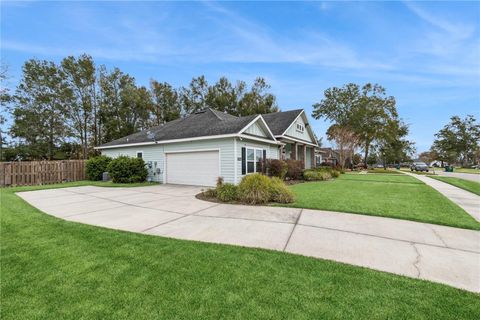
[294, 151]
[312, 157]
[305, 156]
[281, 156]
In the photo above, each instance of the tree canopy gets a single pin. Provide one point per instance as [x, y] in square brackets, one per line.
[458, 141]
[366, 111]
[75, 105]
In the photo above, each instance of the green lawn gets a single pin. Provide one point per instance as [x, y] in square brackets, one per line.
[387, 195]
[54, 269]
[467, 170]
[468, 185]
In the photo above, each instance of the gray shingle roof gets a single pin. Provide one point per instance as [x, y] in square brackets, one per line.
[205, 123]
[278, 122]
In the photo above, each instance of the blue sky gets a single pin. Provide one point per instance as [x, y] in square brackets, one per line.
[426, 54]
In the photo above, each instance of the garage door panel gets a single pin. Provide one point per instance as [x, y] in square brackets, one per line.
[193, 168]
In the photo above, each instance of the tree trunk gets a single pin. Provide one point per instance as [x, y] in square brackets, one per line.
[367, 146]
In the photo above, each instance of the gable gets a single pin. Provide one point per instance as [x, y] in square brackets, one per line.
[300, 129]
[256, 129]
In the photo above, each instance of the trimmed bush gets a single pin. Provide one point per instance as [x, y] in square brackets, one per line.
[96, 166]
[317, 175]
[335, 173]
[279, 191]
[127, 170]
[277, 168]
[294, 169]
[254, 189]
[210, 193]
[227, 192]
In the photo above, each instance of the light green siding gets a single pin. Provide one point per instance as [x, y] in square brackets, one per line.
[256, 130]
[155, 153]
[308, 161]
[271, 150]
[226, 153]
[293, 132]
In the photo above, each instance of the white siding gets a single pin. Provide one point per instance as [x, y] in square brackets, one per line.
[256, 130]
[293, 132]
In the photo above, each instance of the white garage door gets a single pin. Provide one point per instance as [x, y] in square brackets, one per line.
[199, 168]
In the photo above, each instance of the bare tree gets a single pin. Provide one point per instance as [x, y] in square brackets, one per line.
[345, 140]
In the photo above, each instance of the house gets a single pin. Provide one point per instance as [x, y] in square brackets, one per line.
[327, 156]
[293, 130]
[438, 164]
[208, 144]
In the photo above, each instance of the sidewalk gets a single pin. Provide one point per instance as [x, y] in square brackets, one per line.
[466, 200]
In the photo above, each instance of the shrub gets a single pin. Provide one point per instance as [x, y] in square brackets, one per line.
[279, 191]
[210, 193]
[316, 175]
[127, 170]
[227, 192]
[335, 173]
[277, 168]
[96, 166]
[219, 181]
[254, 189]
[294, 169]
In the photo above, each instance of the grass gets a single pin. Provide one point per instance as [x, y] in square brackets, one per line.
[467, 170]
[468, 185]
[384, 171]
[387, 195]
[55, 269]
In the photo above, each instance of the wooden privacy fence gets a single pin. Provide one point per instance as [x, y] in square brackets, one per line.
[28, 173]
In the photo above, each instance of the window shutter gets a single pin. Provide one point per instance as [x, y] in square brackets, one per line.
[264, 162]
[244, 158]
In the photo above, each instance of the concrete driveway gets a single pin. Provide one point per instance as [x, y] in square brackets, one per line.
[441, 254]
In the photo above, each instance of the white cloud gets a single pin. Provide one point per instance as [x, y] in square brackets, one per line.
[459, 30]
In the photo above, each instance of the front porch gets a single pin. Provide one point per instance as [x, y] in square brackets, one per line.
[292, 150]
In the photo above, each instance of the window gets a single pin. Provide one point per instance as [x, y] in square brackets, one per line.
[258, 160]
[254, 160]
[139, 154]
[250, 160]
[300, 127]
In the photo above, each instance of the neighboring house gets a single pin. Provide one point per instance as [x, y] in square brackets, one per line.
[208, 144]
[438, 163]
[326, 155]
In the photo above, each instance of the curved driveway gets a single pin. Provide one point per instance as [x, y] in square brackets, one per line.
[419, 250]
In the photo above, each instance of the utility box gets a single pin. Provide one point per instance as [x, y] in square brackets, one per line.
[105, 176]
